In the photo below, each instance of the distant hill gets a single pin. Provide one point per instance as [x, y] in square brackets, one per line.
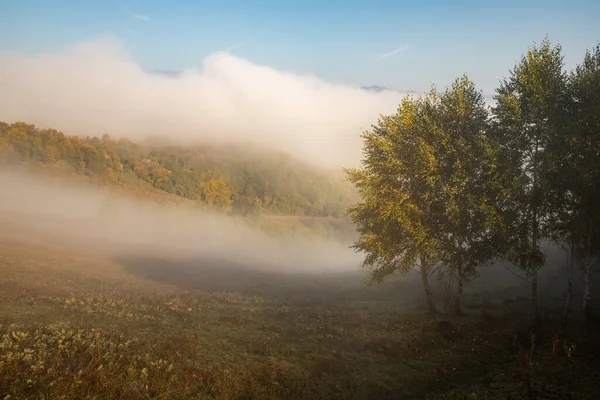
[376, 89]
[237, 179]
[379, 89]
[166, 72]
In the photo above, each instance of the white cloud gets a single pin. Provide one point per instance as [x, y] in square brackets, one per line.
[393, 52]
[141, 17]
[95, 87]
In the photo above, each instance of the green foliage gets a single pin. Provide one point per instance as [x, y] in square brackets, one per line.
[429, 185]
[247, 204]
[249, 179]
[216, 194]
[577, 177]
[468, 189]
[397, 184]
[444, 182]
[530, 115]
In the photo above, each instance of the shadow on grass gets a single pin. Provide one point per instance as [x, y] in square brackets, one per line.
[212, 274]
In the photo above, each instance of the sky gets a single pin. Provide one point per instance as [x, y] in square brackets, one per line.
[403, 45]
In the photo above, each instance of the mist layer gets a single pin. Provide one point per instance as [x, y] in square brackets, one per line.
[95, 87]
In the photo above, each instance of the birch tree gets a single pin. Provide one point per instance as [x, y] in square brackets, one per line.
[530, 112]
[577, 176]
[468, 226]
[396, 183]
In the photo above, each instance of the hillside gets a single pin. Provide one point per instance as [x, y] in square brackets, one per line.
[233, 178]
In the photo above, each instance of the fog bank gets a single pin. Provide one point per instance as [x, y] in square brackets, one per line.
[90, 217]
[95, 87]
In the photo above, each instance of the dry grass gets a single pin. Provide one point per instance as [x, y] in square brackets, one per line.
[76, 323]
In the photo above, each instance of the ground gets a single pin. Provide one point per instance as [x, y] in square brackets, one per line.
[78, 321]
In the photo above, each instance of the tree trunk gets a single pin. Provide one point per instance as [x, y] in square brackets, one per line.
[534, 272]
[535, 233]
[424, 276]
[569, 285]
[586, 264]
[534, 297]
[459, 295]
[586, 292]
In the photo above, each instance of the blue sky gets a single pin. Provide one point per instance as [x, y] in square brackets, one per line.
[405, 45]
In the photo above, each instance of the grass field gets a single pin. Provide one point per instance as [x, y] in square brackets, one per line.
[78, 321]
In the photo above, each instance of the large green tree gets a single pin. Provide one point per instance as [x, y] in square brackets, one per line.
[529, 113]
[429, 188]
[396, 184]
[468, 193]
[576, 177]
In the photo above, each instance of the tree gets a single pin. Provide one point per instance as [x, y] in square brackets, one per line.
[247, 204]
[159, 176]
[530, 111]
[430, 188]
[468, 192]
[217, 194]
[577, 176]
[396, 184]
[141, 171]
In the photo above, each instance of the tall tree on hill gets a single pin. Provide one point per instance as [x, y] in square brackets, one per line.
[216, 194]
[396, 183]
[530, 112]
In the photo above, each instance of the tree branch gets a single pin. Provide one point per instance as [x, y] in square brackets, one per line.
[515, 274]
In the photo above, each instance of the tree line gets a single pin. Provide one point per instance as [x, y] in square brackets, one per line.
[238, 180]
[449, 184]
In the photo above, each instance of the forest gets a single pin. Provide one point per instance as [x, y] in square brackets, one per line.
[449, 186]
[241, 180]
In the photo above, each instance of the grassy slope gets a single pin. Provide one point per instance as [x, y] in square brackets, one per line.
[78, 323]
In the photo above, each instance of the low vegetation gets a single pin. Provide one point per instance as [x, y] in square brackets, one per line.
[81, 324]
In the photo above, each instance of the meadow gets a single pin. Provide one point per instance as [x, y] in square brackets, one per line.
[79, 320]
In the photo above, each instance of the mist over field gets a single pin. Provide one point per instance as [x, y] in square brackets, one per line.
[96, 87]
[91, 217]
